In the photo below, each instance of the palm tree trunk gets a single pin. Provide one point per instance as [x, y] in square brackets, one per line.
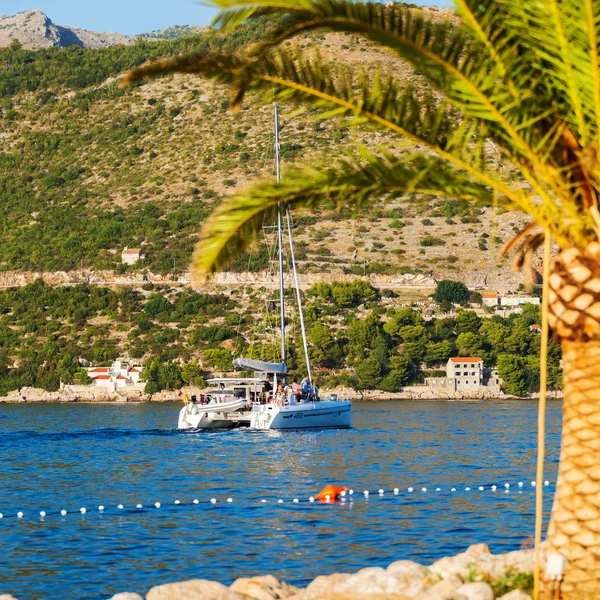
[574, 531]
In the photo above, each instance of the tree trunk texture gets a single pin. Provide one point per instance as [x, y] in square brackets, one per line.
[574, 530]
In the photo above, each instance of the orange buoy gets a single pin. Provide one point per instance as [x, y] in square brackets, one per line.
[331, 492]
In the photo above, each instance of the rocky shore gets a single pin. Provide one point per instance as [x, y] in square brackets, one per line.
[100, 395]
[476, 574]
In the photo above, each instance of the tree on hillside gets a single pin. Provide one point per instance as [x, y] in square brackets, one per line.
[451, 291]
[520, 83]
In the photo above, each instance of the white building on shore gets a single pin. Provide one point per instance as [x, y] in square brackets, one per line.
[466, 374]
[116, 377]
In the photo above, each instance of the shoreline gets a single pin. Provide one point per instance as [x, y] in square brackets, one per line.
[95, 396]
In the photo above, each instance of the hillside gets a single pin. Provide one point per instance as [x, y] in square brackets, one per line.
[34, 29]
[87, 169]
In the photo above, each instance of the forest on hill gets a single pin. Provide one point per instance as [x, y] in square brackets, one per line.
[358, 336]
[87, 168]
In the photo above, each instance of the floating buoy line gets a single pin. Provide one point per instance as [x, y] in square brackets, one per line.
[344, 497]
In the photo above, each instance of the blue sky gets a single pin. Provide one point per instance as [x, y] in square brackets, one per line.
[126, 16]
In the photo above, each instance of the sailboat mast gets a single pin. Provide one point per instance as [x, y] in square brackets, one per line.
[280, 238]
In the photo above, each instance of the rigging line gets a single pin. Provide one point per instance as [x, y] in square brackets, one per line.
[541, 418]
[298, 296]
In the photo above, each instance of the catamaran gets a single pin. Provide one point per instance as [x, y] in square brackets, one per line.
[266, 401]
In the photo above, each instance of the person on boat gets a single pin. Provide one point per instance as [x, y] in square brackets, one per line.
[305, 389]
[296, 391]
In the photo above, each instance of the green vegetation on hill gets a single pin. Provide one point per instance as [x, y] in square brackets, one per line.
[356, 337]
[87, 168]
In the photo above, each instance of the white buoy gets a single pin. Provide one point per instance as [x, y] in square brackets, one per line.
[295, 500]
[196, 501]
[42, 514]
[230, 500]
[410, 489]
[83, 510]
[177, 501]
[381, 492]
[280, 501]
[311, 499]
[213, 500]
[546, 482]
[139, 506]
[101, 508]
[438, 489]
[424, 489]
[507, 485]
[520, 484]
[1, 516]
[396, 491]
[120, 507]
[327, 497]
[157, 505]
[342, 494]
[263, 501]
[63, 512]
[481, 488]
[494, 488]
[20, 515]
[366, 492]
[467, 489]
[533, 484]
[351, 492]
[453, 490]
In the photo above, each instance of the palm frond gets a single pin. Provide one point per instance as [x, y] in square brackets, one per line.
[360, 177]
[563, 38]
[494, 87]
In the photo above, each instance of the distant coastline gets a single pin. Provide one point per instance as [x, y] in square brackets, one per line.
[96, 396]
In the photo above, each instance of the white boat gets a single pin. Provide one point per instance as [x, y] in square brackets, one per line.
[255, 402]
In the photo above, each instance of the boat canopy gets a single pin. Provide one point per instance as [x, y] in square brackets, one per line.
[249, 364]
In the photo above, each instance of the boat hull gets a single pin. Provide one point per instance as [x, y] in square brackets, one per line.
[325, 414]
[209, 416]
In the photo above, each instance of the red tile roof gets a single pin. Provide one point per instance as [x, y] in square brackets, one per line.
[489, 295]
[121, 377]
[99, 370]
[466, 359]
[101, 377]
[134, 370]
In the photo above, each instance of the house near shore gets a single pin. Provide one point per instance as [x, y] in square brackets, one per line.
[130, 256]
[489, 299]
[119, 376]
[492, 299]
[466, 374]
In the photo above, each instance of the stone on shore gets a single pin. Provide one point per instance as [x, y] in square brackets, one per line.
[402, 579]
[265, 587]
[475, 591]
[127, 596]
[442, 590]
[478, 560]
[195, 589]
[516, 595]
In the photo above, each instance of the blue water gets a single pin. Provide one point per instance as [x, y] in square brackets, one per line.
[57, 457]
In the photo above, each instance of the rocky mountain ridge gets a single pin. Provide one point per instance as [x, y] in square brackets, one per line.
[33, 29]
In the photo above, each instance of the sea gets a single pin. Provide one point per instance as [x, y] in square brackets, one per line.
[227, 500]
